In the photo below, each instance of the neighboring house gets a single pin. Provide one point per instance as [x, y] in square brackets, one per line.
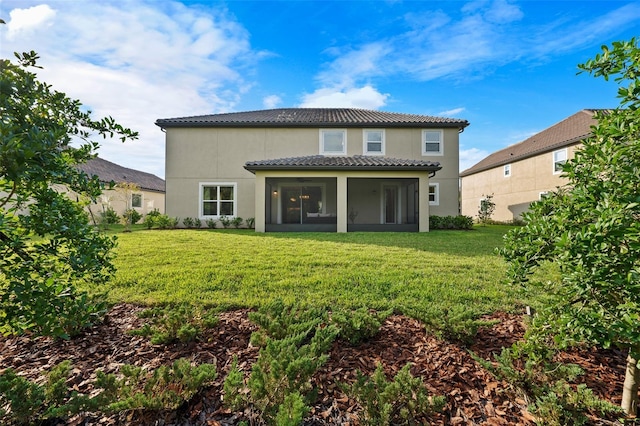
[316, 169]
[523, 173]
[148, 196]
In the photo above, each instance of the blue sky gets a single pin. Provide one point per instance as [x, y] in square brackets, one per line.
[508, 67]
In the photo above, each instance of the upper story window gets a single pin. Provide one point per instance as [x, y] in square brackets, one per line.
[373, 142]
[434, 194]
[218, 199]
[507, 170]
[559, 159]
[333, 142]
[432, 143]
[136, 200]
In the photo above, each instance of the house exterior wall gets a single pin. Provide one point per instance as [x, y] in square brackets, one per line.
[117, 200]
[218, 155]
[512, 194]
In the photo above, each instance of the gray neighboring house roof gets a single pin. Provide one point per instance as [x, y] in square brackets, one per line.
[356, 162]
[108, 172]
[313, 117]
[569, 131]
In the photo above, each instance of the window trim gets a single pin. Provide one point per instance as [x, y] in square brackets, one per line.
[423, 141]
[365, 142]
[506, 171]
[436, 198]
[141, 195]
[554, 161]
[344, 144]
[201, 200]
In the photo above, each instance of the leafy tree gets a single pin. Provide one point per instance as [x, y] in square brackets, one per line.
[47, 246]
[591, 227]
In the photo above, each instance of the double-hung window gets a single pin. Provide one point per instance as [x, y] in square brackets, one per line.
[333, 142]
[434, 194]
[432, 143]
[559, 158]
[218, 199]
[507, 170]
[373, 142]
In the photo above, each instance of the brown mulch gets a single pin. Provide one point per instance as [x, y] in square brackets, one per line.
[473, 395]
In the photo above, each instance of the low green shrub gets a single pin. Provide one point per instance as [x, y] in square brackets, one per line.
[359, 325]
[279, 321]
[183, 323]
[211, 223]
[109, 217]
[234, 399]
[237, 221]
[251, 222]
[165, 388]
[197, 223]
[225, 221]
[188, 222]
[455, 323]
[405, 400]
[450, 222]
[29, 402]
[131, 216]
[292, 410]
[528, 366]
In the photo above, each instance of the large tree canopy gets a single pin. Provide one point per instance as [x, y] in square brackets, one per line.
[47, 247]
[590, 228]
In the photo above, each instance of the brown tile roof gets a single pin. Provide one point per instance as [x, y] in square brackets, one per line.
[312, 117]
[108, 171]
[567, 132]
[329, 162]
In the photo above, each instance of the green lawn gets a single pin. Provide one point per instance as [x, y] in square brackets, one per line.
[419, 274]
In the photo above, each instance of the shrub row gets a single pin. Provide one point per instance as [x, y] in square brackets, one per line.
[450, 222]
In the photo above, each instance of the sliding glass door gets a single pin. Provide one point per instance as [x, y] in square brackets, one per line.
[298, 202]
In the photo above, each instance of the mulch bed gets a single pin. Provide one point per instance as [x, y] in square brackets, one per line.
[473, 395]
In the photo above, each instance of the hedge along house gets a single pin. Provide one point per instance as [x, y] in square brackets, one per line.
[524, 172]
[314, 169]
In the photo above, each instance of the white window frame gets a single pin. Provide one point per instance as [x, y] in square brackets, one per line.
[141, 200]
[423, 142]
[542, 194]
[555, 161]
[365, 142]
[506, 171]
[218, 184]
[344, 141]
[436, 192]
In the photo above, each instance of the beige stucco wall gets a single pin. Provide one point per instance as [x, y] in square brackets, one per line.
[513, 194]
[196, 155]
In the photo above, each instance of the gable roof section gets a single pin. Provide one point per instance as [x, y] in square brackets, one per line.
[108, 172]
[357, 162]
[567, 132]
[313, 117]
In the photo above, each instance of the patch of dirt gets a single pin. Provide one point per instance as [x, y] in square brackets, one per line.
[474, 396]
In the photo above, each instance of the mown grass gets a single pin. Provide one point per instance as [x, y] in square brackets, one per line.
[415, 273]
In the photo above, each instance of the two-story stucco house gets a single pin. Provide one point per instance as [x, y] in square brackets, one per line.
[321, 169]
[522, 173]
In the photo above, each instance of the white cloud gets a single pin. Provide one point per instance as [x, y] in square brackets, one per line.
[365, 97]
[451, 113]
[271, 101]
[22, 21]
[471, 156]
[136, 61]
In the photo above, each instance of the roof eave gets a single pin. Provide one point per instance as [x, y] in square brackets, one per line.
[168, 124]
[547, 149]
[253, 169]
